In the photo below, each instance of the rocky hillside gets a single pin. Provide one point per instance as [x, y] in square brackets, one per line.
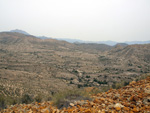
[33, 66]
[134, 98]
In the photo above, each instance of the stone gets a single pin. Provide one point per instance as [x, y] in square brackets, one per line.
[146, 101]
[45, 111]
[118, 108]
[110, 106]
[128, 99]
[96, 101]
[126, 109]
[71, 104]
[135, 110]
[147, 91]
[87, 111]
[133, 82]
[119, 105]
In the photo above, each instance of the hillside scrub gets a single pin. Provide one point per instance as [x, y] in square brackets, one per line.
[64, 98]
[133, 98]
[7, 100]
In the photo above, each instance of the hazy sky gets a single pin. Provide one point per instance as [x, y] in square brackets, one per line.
[94, 20]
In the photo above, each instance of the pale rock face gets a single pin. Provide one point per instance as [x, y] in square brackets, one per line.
[71, 104]
[147, 90]
[118, 105]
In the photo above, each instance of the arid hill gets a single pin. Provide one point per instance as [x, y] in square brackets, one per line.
[134, 98]
[29, 65]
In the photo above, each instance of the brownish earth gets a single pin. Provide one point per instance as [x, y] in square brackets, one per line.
[29, 65]
[134, 98]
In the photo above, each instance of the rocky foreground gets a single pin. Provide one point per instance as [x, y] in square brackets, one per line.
[134, 98]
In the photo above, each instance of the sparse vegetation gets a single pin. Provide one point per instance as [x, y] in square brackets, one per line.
[2, 102]
[64, 98]
[26, 99]
[32, 66]
[7, 100]
[95, 91]
[87, 76]
[38, 98]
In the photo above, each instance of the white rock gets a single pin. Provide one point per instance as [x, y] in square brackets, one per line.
[118, 105]
[71, 104]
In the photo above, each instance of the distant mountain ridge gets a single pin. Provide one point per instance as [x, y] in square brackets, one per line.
[109, 42]
[25, 33]
[20, 31]
[43, 37]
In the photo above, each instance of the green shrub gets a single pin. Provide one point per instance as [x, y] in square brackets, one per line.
[7, 100]
[120, 84]
[87, 76]
[38, 98]
[62, 99]
[126, 83]
[71, 82]
[2, 102]
[71, 78]
[95, 91]
[26, 99]
[105, 88]
[79, 86]
[144, 76]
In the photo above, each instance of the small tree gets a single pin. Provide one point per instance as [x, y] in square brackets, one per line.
[2, 102]
[38, 98]
[26, 99]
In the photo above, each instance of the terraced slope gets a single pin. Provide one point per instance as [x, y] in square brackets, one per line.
[33, 66]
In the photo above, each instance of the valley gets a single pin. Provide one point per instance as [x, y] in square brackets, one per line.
[33, 66]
